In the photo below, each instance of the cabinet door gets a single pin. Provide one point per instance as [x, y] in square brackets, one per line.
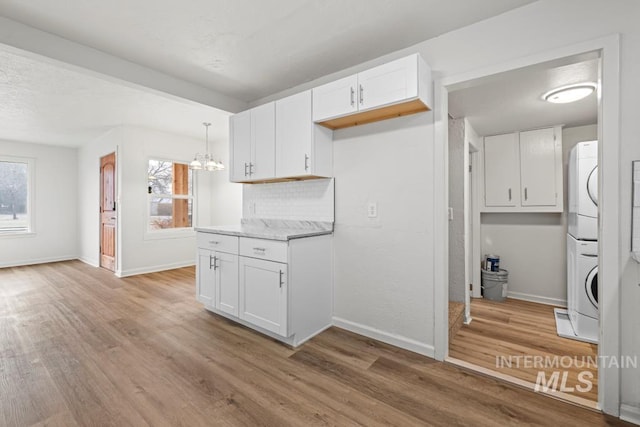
[388, 83]
[240, 146]
[226, 267]
[501, 170]
[263, 140]
[263, 294]
[538, 168]
[293, 135]
[206, 279]
[335, 99]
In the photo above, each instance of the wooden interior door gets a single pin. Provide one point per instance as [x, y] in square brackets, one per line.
[108, 212]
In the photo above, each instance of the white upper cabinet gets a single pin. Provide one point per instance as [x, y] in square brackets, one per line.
[539, 170]
[240, 149]
[393, 89]
[523, 171]
[388, 84]
[302, 147]
[501, 170]
[252, 144]
[335, 99]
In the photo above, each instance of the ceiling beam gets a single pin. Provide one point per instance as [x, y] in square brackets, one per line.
[26, 40]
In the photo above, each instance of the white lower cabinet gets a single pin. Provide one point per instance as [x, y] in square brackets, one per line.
[280, 288]
[205, 278]
[227, 283]
[263, 294]
[217, 275]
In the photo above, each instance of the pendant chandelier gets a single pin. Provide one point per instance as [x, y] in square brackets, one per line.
[206, 161]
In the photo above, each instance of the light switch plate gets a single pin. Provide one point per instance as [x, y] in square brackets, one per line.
[372, 210]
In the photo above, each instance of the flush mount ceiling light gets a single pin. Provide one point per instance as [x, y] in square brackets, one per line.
[569, 93]
[206, 161]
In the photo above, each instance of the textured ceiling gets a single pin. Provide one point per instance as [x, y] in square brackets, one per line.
[512, 101]
[247, 48]
[49, 104]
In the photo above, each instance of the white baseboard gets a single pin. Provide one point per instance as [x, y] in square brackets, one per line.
[535, 298]
[91, 262]
[37, 261]
[630, 413]
[154, 268]
[386, 337]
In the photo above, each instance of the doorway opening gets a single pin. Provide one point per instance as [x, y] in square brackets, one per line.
[108, 214]
[509, 200]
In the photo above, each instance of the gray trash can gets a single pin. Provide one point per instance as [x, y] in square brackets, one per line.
[494, 284]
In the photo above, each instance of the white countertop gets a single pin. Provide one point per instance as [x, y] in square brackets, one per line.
[272, 229]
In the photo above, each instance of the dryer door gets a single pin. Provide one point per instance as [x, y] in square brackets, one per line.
[591, 286]
[592, 186]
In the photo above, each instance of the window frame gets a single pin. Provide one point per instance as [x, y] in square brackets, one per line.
[31, 222]
[174, 232]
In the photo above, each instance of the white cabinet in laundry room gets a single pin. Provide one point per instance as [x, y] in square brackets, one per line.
[522, 171]
[501, 170]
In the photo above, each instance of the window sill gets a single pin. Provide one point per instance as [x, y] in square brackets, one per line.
[17, 234]
[169, 234]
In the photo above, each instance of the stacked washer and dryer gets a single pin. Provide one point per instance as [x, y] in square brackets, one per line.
[582, 242]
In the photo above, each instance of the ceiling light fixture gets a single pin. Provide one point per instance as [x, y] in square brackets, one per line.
[206, 161]
[569, 93]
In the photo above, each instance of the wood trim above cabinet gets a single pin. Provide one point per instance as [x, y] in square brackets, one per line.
[391, 111]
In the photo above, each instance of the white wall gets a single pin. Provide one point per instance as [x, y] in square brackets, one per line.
[54, 207]
[515, 35]
[143, 250]
[226, 197]
[140, 251]
[89, 193]
[383, 283]
[457, 174]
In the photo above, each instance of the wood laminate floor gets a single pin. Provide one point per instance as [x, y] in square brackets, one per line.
[515, 329]
[80, 347]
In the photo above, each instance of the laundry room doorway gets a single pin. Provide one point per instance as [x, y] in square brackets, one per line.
[527, 222]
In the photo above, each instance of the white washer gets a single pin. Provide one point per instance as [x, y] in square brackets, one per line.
[583, 191]
[582, 298]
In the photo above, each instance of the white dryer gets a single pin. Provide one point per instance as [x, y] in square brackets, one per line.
[582, 298]
[583, 191]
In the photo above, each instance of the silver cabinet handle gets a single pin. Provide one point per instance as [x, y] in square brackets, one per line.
[245, 169]
[213, 242]
[259, 249]
[281, 283]
[361, 94]
[353, 93]
[211, 262]
[306, 163]
[525, 193]
[509, 194]
[215, 263]
[251, 165]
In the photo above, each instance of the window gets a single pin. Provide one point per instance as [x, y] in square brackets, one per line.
[15, 193]
[170, 189]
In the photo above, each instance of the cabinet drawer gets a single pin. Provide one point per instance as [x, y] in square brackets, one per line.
[264, 249]
[218, 242]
